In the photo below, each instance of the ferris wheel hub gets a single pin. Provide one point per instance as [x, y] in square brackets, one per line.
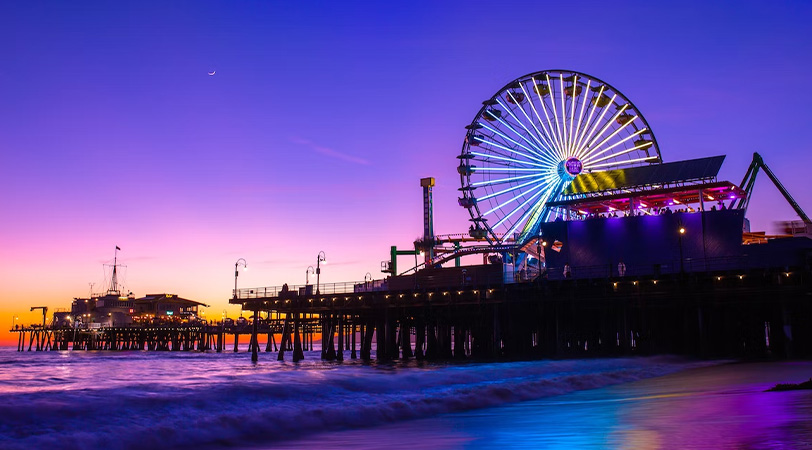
[570, 168]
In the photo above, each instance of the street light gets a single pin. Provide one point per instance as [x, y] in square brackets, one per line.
[237, 272]
[681, 260]
[320, 258]
[308, 271]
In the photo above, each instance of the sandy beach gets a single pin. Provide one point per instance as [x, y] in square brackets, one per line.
[723, 406]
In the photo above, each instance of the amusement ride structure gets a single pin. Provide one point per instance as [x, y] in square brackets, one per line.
[563, 145]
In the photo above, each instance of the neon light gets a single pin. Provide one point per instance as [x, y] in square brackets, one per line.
[540, 134]
[517, 143]
[547, 135]
[522, 136]
[553, 134]
[521, 124]
[587, 136]
[615, 155]
[581, 115]
[637, 133]
[502, 180]
[589, 119]
[608, 124]
[555, 115]
[511, 200]
[574, 107]
[529, 211]
[649, 158]
[505, 191]
[563, 111]
[503, 219]
[505, 169]
[504, 158]
[614, 133]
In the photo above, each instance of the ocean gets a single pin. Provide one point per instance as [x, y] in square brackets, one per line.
[133, 400]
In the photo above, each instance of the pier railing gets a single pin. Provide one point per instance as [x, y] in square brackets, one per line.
[510, 276]
[310, 289]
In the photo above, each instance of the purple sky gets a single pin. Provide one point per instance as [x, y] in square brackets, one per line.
[321, 119]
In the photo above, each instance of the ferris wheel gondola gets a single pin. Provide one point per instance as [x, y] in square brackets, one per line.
[533, 137]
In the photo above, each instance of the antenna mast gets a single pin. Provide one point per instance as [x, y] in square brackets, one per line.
[114, 282]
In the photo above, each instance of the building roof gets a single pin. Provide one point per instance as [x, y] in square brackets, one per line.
[657, 175]
[719, 191]
[167, 298]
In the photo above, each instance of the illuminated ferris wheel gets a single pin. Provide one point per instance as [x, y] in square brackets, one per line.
[533, 137]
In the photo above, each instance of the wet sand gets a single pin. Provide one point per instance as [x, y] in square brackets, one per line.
[719, 407]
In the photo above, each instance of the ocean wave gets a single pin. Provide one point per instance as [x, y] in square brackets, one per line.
[259, 406]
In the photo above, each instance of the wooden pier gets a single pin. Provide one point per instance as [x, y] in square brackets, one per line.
[460, 313]
[473, 313]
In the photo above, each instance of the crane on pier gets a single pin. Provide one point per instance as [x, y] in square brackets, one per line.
[750, 180]
[44, 313]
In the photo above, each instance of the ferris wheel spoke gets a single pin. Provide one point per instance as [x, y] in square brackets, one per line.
[573, 107]
[511, 200]
[510, 189]
[592, 157]
[545, 134]
[615, 155]
[589, 119]
[508, 149]
[544, 145]
[595, 124]
[539, 153]
[581, 114]
[629, 161]
[524, 218]
[508, 159]
[497, 181]
[505, 169]
[606, 127]
[538, 209]
[517, 208]
[511, 140]
[555, 136]
[539, 163]
[522, 125]
[555, 116]
[562, 96]
[613, 134]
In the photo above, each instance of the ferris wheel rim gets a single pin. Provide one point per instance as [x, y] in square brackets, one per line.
[559, 158]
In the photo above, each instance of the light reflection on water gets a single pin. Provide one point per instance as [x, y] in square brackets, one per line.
[721, 407]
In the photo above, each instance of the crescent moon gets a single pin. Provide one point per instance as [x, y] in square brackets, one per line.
[212, 72]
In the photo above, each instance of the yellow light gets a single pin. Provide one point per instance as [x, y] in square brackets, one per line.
[681, 230]
[655, 281]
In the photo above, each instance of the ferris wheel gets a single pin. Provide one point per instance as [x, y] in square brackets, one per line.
[533, 137]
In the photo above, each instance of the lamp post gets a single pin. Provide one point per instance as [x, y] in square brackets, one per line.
[237, 272]
[321, 258]
[681, 260]
[308, 271]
